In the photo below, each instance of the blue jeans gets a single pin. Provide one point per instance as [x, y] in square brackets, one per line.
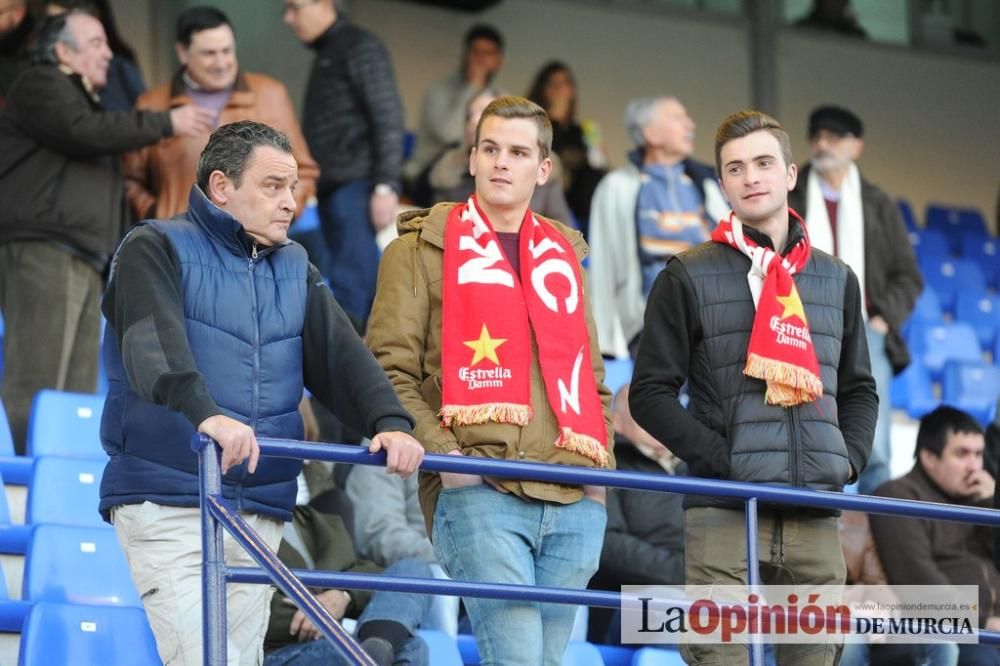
[481, 534]
[350, 239]
[877, 471]
[406, 608]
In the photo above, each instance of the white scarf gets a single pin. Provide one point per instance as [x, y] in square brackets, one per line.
[850, 223]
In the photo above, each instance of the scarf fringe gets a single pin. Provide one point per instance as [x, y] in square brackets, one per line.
[787, 384]
[498, 412]
[585, 445]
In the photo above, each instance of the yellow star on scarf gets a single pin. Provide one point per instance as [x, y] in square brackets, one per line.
[485, 347]
[793, 305]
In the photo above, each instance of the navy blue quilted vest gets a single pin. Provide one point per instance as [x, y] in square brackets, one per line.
[244, 320]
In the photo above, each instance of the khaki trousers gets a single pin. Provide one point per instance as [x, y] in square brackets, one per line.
[163, 547]
[794, 550]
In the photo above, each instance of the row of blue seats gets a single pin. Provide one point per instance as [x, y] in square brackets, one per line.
[949, 219]
[109, 636]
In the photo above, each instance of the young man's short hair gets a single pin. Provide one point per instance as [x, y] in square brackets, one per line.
[939, 424]
[748, 121]
[511, 107]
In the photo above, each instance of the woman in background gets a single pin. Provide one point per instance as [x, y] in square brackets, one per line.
[577, 144]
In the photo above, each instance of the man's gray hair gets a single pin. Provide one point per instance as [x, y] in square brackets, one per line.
[230, 146]
[638, 113]
[55, 30]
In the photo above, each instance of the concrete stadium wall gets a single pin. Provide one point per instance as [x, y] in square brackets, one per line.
[930, 128]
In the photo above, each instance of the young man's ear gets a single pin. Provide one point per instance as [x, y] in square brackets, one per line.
[793, 176]
[544, 171]
[472, 161]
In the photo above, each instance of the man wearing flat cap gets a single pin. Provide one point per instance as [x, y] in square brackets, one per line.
[860, 224]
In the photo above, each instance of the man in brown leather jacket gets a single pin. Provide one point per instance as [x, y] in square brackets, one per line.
[159, 177]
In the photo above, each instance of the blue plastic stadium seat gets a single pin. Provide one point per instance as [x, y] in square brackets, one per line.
[66, 424]
[985, 252]
[950, 277]
[972, 387]
[581, 653]
[617, 373]
[913, 391]
[6, 440]
[906, 210]
[649, 656]
[616, 655]
[955, 222]
[935, 346]
[927, 309]
[468, 649]
[87, 636]
[982, 312]
[442, 647]
[931, 243]
[65, 491]
[78, 565]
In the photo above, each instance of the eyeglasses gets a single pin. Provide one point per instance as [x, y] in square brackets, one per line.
[296, 7]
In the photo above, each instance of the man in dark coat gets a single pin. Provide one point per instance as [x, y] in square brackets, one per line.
[62, 197]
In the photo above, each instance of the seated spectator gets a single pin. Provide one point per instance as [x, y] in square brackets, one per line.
[644, 540]
[660, 203]
[391, 528]
[577, 144]
[451, 179]
[864, 569]
[443, 113]
[386, 621]
[17, 27]
[125, 82]
[949, 470]
[159, 178]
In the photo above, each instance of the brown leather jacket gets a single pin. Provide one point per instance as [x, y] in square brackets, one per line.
[158, 178]
[405, 336]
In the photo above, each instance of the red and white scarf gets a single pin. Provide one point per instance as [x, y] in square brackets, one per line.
[781, 350]
[489, 313]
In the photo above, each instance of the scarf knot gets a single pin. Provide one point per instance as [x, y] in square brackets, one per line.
[781, 350]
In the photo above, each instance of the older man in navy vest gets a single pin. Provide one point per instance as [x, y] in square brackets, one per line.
[216, 321]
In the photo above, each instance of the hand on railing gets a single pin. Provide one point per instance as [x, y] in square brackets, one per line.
[403, 454]
[236, 440]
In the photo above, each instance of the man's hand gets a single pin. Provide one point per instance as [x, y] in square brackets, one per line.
[879, 325]
[236, 440]
[191, 120]
[597, 493]
[335, 601]
[454, 480]
[382, 208]
[993, 623]
[403, 453]
[980, 485]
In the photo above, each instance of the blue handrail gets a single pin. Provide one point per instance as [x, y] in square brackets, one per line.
[218, 513]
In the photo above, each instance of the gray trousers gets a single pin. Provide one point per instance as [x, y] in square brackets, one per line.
[50, 302]
[794, 550]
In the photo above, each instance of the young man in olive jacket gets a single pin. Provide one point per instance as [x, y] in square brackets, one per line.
[482, 323]
[773, 352]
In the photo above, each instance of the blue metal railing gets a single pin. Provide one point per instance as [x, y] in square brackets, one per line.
[218, 514]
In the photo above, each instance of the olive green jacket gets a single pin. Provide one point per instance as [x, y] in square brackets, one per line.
[405, 336]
